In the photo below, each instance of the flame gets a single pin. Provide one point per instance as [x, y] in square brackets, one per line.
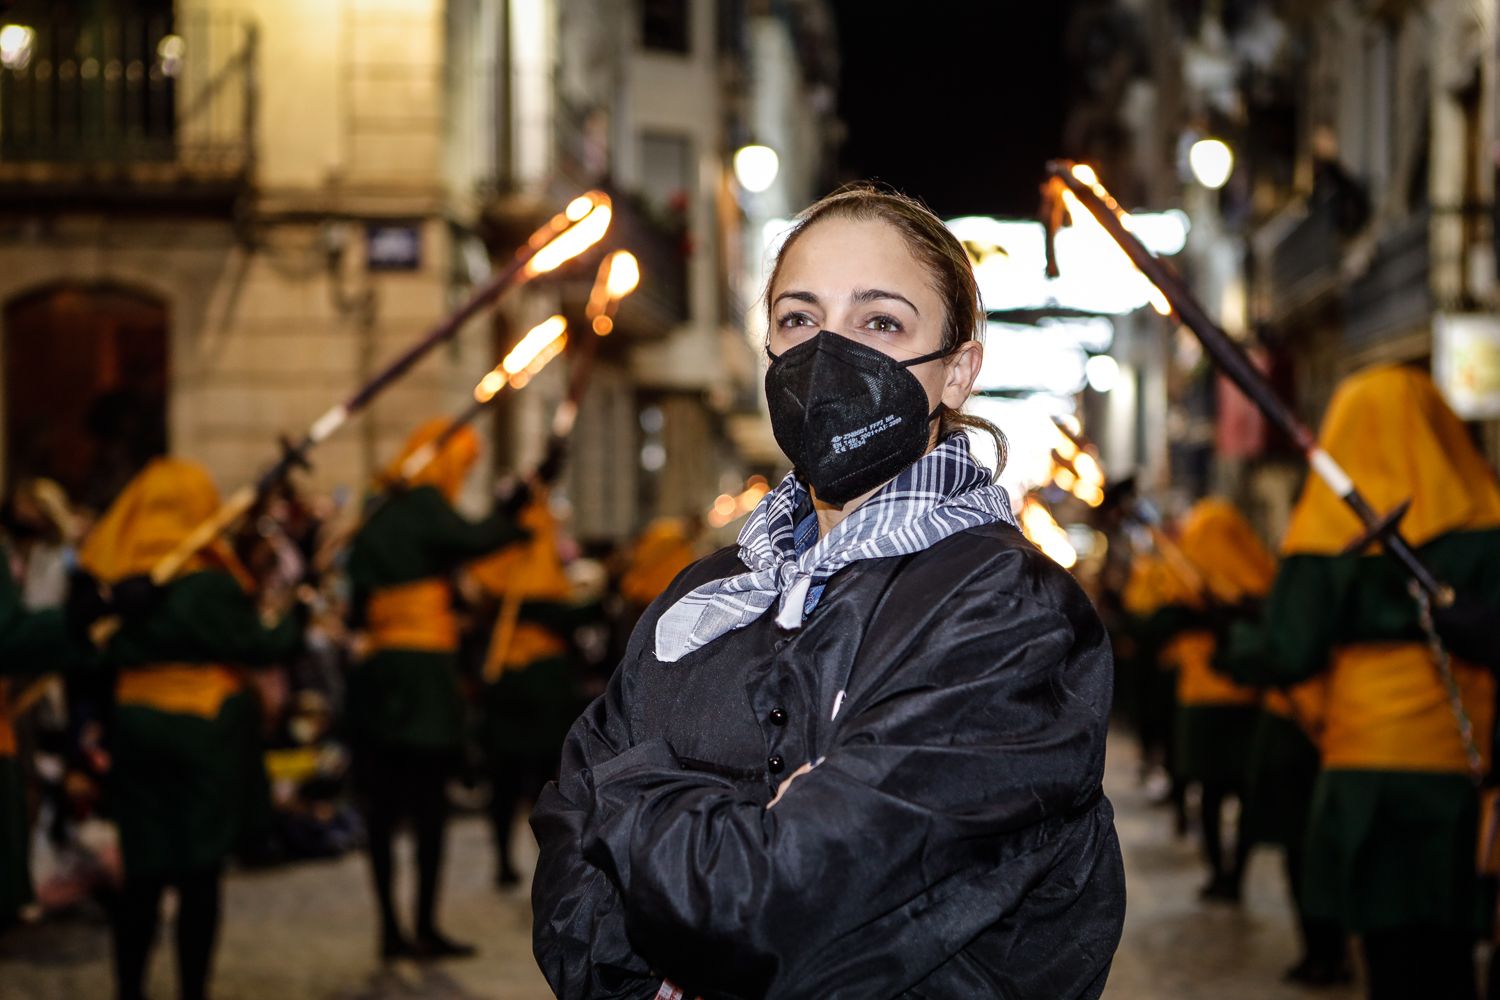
[1043, 531]
[541, 344]
[569, 233]
[726, 508]
[624, 274]
[537, 339]
[618, 275]
[1077, 471]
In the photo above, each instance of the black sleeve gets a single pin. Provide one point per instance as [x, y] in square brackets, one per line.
[1290, 642]
[222, 618]
[457, 538]
[935, 810]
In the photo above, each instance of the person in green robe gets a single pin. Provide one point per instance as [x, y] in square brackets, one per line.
[530, 679]
[186, 783]
[1390, 851]
[404, 709]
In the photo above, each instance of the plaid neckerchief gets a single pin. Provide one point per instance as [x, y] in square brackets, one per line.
[943, 492]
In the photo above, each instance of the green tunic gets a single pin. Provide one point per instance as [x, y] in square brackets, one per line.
[529, 709]
[187, 790]
[1385, 848]
[410, 697]
[1283, 771]
[1211, 743]
[31, 642]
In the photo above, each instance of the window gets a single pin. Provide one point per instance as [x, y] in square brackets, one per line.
[665, 26]
[667, 176]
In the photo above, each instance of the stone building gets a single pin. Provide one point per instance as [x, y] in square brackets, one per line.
[219, 217]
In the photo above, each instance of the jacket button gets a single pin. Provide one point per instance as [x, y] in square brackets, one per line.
[775, 764]
[778, 716]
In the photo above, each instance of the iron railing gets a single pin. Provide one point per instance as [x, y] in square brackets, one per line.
[132, 89]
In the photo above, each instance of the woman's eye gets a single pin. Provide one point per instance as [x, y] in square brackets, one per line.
[883, 324]
[791, 320]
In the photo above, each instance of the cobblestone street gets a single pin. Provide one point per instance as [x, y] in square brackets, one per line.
[306, 931]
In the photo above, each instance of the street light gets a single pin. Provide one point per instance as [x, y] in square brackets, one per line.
[17, 42]
[1212, 161]
[1102, 371]
[755, 167]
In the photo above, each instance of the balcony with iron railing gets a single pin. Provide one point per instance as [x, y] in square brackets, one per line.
[127, 108]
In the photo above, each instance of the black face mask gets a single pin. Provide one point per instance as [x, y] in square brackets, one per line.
[848, 416]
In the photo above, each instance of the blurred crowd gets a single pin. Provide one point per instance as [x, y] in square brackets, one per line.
[327, 673]
[1347, 714]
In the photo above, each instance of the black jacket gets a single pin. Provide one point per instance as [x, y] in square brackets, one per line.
[954, 841]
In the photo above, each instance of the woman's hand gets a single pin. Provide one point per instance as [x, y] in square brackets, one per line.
[787, 782]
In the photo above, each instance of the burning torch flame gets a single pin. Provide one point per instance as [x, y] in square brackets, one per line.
[572, 231]
[1084, 174]
[1043, 531]
[541, 344]
[618, 276]
[1077, 471]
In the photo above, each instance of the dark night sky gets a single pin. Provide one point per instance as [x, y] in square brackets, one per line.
[947, 100]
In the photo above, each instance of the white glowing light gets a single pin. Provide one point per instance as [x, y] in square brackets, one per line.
[17, 42]
[1165, 233]
[1029, 358]
[756, 167]
[170, 50]
[1096, 276]
[1102, 372]
[1212, 161]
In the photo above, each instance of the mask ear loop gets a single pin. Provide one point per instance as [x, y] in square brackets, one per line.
[941, 352]
[935, 355]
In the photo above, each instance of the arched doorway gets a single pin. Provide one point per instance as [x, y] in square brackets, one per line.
[85, 387]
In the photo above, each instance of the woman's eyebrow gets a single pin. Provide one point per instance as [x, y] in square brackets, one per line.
[799, 296]
[862, 295]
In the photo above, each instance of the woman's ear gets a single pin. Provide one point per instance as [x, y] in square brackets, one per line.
[960, 372]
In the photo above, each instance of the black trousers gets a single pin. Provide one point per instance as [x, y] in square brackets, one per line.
[404, 785]
[1434, 963]
[137, 914]
[515, 779]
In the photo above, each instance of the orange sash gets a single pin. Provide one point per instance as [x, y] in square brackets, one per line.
[417, 615]
[1305, 704]
[528, 643]
[1388, 710]
[1198, 684]
[178, 688]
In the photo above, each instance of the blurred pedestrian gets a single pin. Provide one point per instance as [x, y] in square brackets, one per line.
[860, 753]
[1391, 840]
[187, 784]
[530, 679]
[1279, 789]
[1215, 716]
[1151, 587]
[31, 642]
[404, 709]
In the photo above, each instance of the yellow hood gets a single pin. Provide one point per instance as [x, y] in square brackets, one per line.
[1396, 437]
